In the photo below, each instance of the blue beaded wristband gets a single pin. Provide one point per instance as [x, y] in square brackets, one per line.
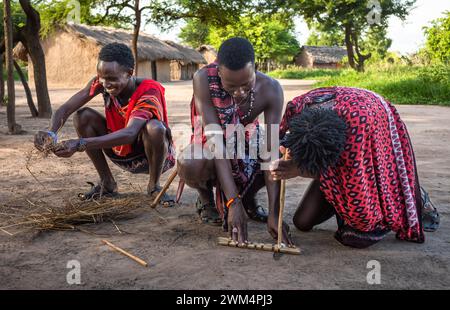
[53, 136]
[81, 145]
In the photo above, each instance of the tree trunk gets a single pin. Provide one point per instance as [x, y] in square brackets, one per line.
[2, 81]
[33, 110]
[31, 40]
[13, 128]
[351, 42]
[137, 27]
[361, 58]
[349, 45]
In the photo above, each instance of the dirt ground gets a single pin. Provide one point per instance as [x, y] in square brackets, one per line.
[182, 253]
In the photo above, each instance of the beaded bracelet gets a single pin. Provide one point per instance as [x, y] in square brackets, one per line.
[53, 136]
[81, 145]
[232, 200]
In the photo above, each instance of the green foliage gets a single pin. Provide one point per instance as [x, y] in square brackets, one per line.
[422, 57]
[17, 15]
[438, 73]
[194, 33]
[336, 13]
[53, 15]
[304, 74]
[208, 12]
[272, 36]
[111, 13]
[330, 37]
[373, 40]
[352, 17]
[15, 74]
[376, 42]
[399, 83]
[438, 39]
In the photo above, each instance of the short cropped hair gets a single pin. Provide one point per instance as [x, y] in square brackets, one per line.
[236, 53]
[119, 53]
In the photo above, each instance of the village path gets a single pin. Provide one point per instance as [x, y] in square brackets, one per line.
[183, 253]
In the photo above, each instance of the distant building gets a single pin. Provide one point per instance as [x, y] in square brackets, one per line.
[320, 57]
[208, 52]
[71, 55]
[185, 69]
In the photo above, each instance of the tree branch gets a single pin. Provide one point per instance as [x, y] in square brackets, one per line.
[33, 18]
[148, 7]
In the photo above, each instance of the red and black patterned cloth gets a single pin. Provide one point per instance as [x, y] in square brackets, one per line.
[147, 102]
[374, 187]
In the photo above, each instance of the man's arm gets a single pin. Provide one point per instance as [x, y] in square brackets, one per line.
[123, 136]
[223, 167]
[62, 114]
[272, 116]
[209, 117]
[70, 106]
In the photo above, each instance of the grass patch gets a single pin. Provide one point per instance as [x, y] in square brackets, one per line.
[400, 84]
[15, 74]
[304, 74]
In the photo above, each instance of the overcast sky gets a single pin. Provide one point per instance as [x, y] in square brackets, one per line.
[407, 37]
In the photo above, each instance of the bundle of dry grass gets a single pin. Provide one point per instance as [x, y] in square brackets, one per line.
[41, 216]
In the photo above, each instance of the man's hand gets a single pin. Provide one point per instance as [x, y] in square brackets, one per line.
[272, 227]
[44, 140]
[237, 222]
[67, 148]
[282, 169]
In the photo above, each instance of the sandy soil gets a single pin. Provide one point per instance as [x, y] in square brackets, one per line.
[182, 253]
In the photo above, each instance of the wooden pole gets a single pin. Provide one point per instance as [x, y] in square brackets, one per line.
[136, 259]
[280, 214]
[164, 189]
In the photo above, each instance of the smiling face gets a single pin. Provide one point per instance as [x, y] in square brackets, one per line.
[113, 76]
[238, 83]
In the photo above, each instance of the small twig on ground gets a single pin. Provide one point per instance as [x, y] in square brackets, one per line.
[120, 232]
[6, 232]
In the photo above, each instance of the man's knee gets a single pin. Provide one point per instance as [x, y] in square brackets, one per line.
[302, 224]
[83, 117]
[155, 131]
[191, 167]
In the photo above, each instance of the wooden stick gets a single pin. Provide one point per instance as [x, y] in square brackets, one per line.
[136, 259]
[280, 214]
[164, 189]
[6, 232]
[258, 246]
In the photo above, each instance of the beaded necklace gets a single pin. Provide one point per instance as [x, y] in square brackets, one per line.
[251, 98]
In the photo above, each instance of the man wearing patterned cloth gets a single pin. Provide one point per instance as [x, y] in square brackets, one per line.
[230, 92]
[356, 148]
[134, 134]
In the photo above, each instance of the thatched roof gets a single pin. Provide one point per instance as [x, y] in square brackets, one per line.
[206, 47]
[325, 54]
[149, 47]
[20, 52]
[190, 54]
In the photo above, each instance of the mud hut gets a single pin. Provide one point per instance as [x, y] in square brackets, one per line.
[324, 57]
[184, 69]
[20, 52]
[71, 55]
[208, 52]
